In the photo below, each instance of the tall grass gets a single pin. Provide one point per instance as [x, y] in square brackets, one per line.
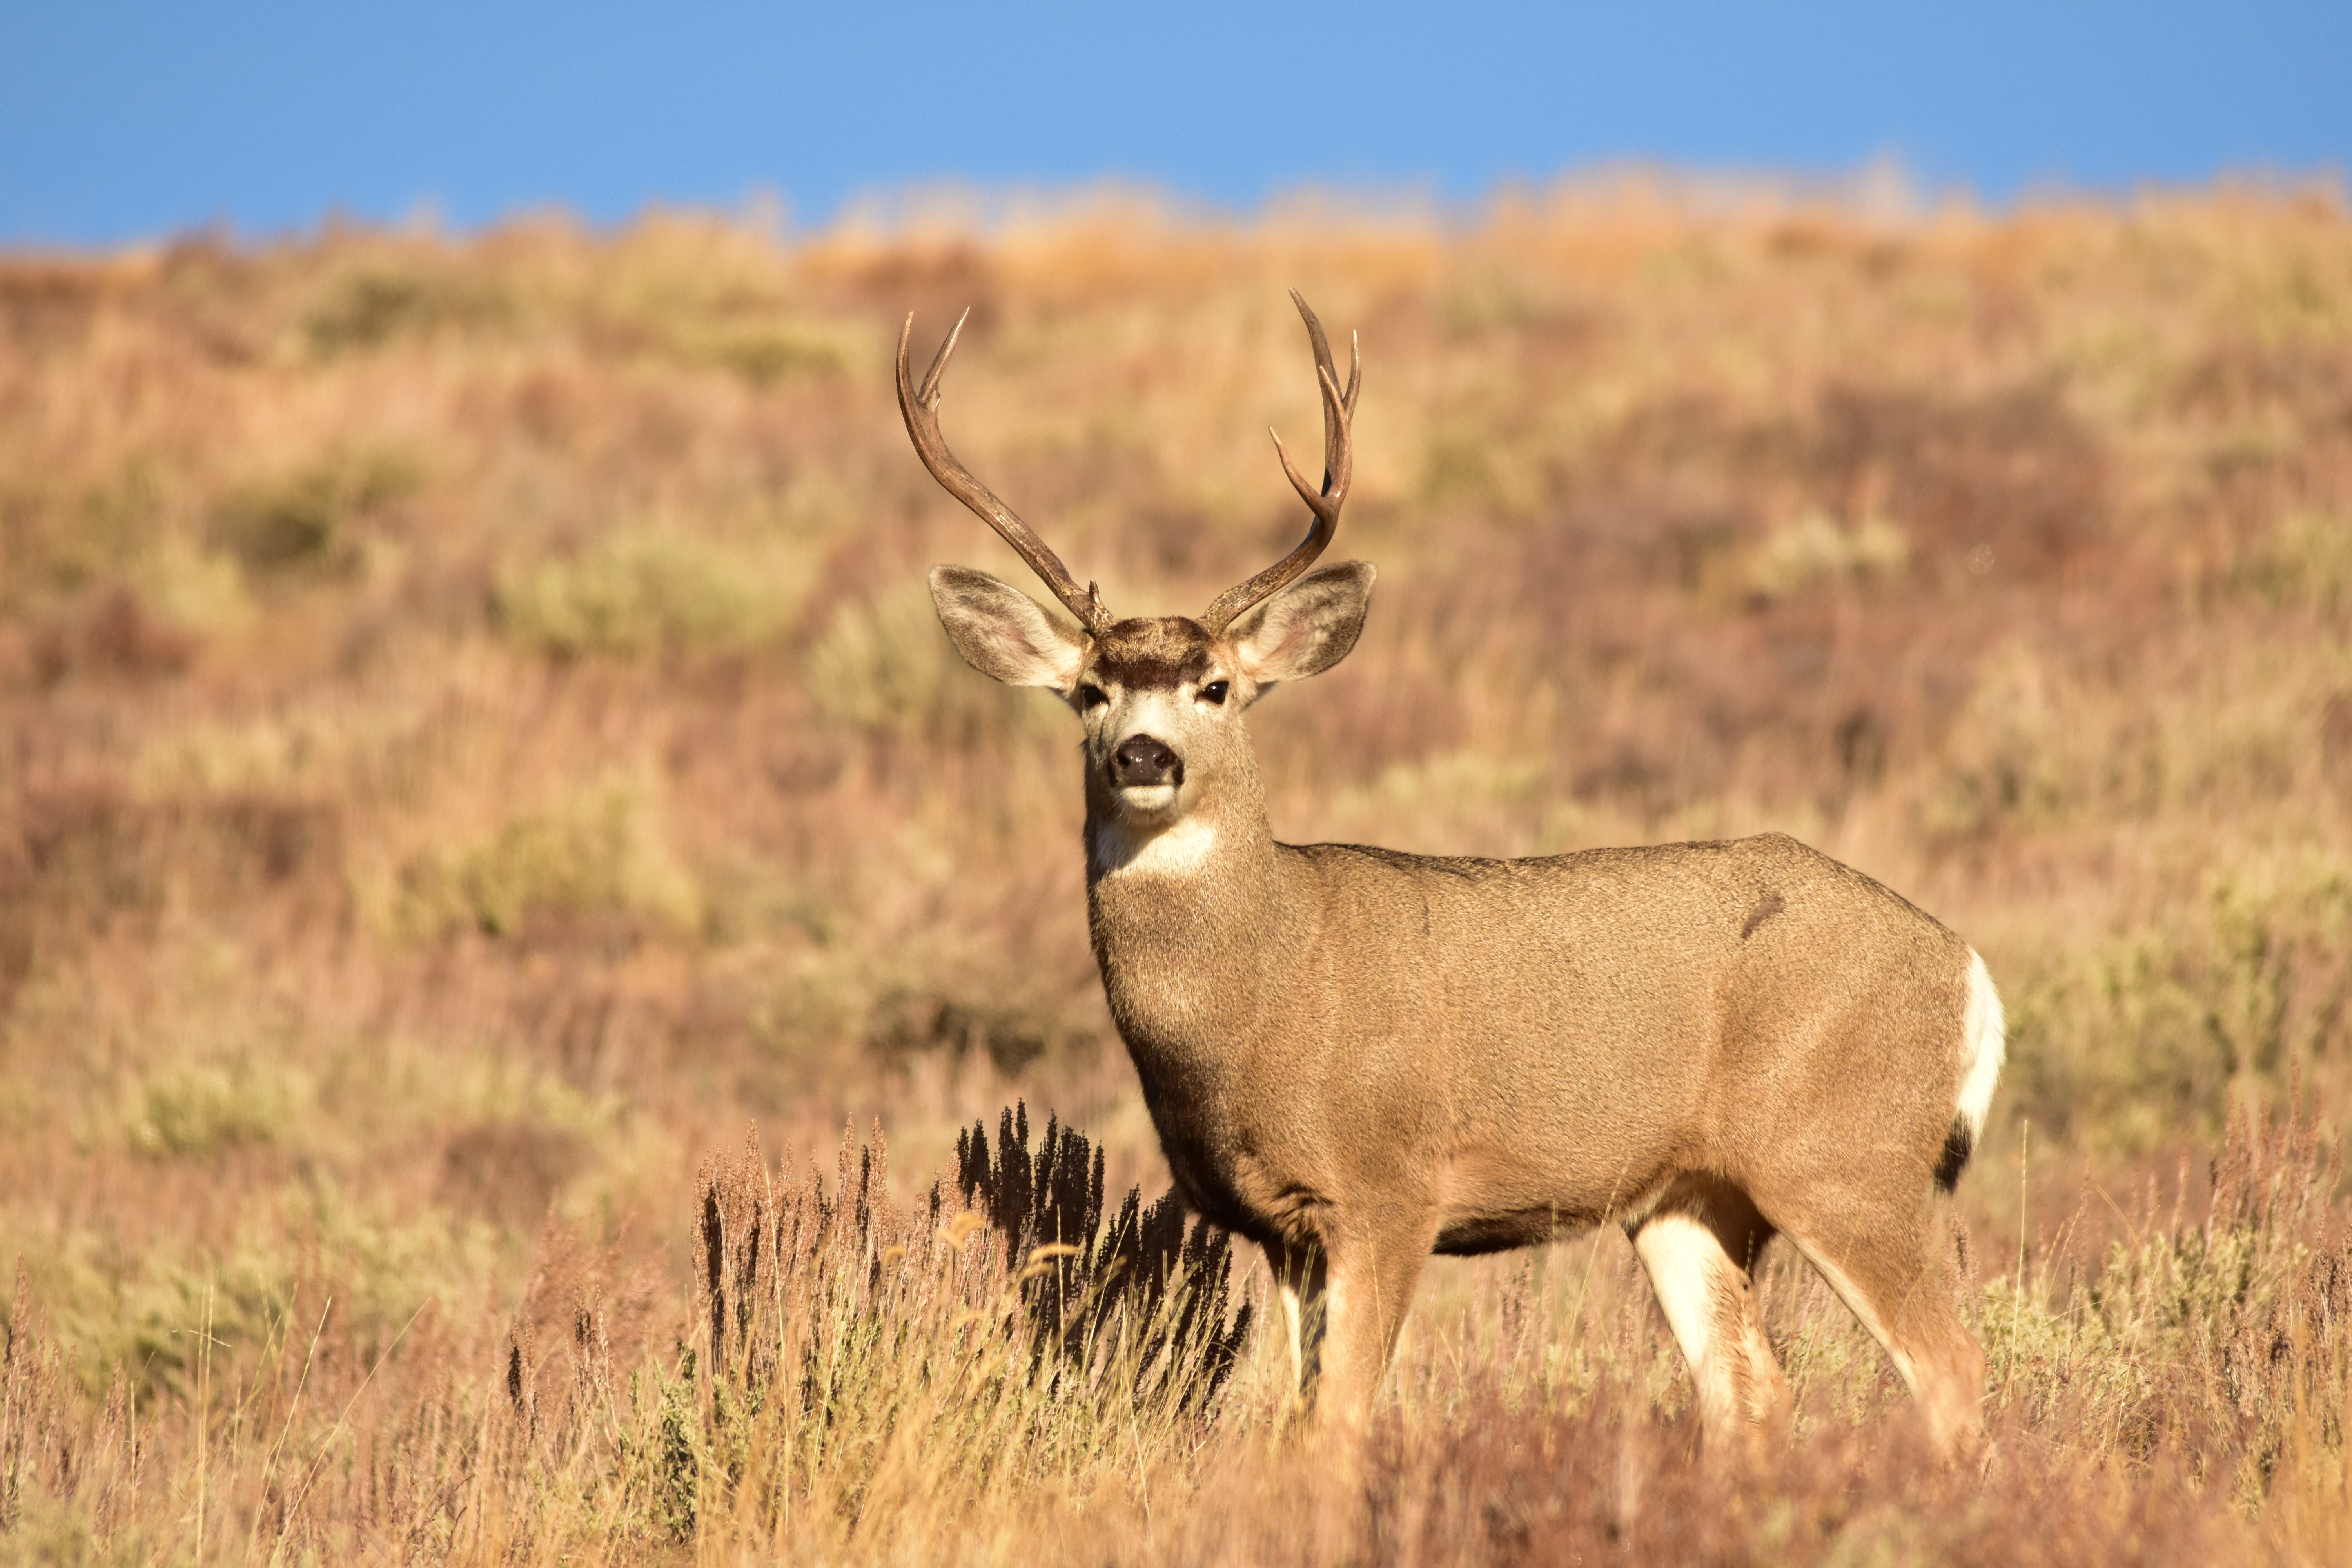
[868, 1378]
[472, 740]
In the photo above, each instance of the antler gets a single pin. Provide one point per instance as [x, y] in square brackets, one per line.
[922, 411]
[1339, 467]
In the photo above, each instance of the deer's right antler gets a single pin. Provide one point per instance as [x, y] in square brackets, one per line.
[1339, 467]
[921, 409]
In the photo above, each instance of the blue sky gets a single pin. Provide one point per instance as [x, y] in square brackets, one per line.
[126, 121]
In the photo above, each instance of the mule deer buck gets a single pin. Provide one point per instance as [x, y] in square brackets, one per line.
[1356, 1057]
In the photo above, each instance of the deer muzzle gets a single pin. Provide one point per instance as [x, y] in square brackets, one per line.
[1144, 762]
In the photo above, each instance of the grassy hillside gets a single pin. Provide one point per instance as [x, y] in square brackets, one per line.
[473, 739]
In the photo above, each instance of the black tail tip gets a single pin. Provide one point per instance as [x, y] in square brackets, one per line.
[1958, 1144]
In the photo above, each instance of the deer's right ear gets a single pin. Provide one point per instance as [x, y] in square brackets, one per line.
[1003, 633]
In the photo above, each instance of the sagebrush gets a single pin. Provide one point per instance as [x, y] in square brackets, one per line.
[474, 740]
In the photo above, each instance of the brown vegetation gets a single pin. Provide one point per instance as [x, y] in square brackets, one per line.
[473, 737]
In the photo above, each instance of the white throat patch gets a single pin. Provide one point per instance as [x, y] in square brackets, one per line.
[1180, 849]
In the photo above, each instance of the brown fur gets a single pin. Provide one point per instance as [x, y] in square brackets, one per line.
[1356, 1057]
[1158, 654]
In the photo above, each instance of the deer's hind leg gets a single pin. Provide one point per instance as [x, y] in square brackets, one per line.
[1892, 1277]
[1699, 1246]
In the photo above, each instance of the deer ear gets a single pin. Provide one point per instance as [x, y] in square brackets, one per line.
[1308, 626]
[1003, 633]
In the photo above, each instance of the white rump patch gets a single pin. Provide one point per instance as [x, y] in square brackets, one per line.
[1984, 1045]
[1179, 849]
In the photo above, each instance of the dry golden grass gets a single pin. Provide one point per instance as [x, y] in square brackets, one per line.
[475, 739]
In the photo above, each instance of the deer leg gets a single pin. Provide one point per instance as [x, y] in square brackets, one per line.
[1373, 1276]
[1699, 1250]
[1299, 1279]
[1894, 1281]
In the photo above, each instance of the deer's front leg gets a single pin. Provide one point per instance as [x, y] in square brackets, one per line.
[1345, 1302]
[1300, 1280]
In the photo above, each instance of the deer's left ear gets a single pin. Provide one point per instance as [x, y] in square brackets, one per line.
[1308, 626]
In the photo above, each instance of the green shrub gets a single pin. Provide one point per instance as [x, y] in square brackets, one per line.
[192, 1112]
[765, 352]
[2305, 563]
[2135, 1042]
[595, 852]
[372, 306]
[1817, 548]
[641, 592]
[301, 522]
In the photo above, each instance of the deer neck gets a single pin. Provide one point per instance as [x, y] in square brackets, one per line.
[1192, 923]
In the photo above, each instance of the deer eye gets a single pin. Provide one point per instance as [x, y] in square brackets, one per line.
[1214, 692]
[1091, 697]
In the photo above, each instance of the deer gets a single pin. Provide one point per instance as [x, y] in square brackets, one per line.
[1356, 1058]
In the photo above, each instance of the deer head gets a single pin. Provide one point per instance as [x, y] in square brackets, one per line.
[1161, 697]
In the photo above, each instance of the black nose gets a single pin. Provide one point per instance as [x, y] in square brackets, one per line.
[1140, 759]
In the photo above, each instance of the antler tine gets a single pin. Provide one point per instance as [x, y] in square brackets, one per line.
[1339, 468]
[1335, 420]
[921, 410]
